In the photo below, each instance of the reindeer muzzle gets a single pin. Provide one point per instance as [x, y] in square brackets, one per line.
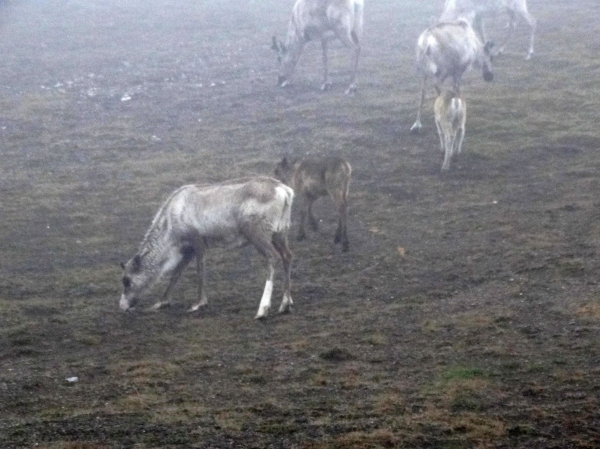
[124, 303]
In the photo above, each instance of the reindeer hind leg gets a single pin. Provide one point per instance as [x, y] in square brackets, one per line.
[266, 248]
[279, 241]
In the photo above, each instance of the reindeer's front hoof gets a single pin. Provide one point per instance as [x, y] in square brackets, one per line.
[326, 86]
[262, 313]
[196, 307]
[159, 305]
[416, 128]
[285, 309]
[345, 247]
[301, 237]
[286, 305]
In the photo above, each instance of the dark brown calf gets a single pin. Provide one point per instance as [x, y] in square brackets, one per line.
[314, 178]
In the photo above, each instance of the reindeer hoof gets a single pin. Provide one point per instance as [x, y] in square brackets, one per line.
[346, 247]
[301, 237]
[286, 309]
[159, 305]
[351, 90]
[326, 86]
[416, 128]
[196, 308]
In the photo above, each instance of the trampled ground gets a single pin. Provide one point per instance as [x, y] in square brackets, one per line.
[466, 314]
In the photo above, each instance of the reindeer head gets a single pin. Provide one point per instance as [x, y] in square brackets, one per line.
[132, 280]
[486, 63]
[284, 171]
[286, 60]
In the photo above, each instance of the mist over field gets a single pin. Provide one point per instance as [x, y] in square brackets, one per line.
[465, 315]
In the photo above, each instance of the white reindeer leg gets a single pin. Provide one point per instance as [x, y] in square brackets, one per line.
[352, 87]
[416, 128]
[441, 135]
[460, 139]
[257, 237]
[532, 25]
[186, 257]
[448, 151]
[265, 301]
[280, 243]
[200, 272]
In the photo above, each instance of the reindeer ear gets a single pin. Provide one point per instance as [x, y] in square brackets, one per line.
[274, 45]
[284, 162]
[122, 265]
[282, 47]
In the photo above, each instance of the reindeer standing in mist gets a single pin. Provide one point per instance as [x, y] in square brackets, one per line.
[474, 11]
[314, 178]
[322, 20]
[448, 50]
[194, 218]
[450, 118]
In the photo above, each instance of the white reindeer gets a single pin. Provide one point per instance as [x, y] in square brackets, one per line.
[448, 50]
[195, 217]
[476, 10]
[450, 118]
[322, 20]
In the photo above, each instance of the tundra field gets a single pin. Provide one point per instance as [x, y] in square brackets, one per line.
[465, 315]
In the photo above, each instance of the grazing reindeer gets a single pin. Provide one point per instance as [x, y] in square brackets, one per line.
[323, 20]
[450, 118]
[476, 10]
[313, 178]
[194, 218]
[448, 50]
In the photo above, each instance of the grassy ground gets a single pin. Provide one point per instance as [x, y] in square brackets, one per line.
[466, 314]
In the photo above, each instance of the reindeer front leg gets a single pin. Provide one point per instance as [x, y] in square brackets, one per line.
[186, 255]
[416, 128]
[200, 272]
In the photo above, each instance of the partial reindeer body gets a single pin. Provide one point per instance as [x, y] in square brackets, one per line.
[448, 50]
[314, 178]
[476, 10]
[323, 20]
[450, 118]
[195, 218]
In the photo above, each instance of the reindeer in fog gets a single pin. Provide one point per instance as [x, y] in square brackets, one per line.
[320, 20]
[195, 218]
[450, 118]
[474, 11]
[314, 178]
[448, 50]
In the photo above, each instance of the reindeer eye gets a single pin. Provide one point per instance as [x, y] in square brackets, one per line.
[126, 281]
